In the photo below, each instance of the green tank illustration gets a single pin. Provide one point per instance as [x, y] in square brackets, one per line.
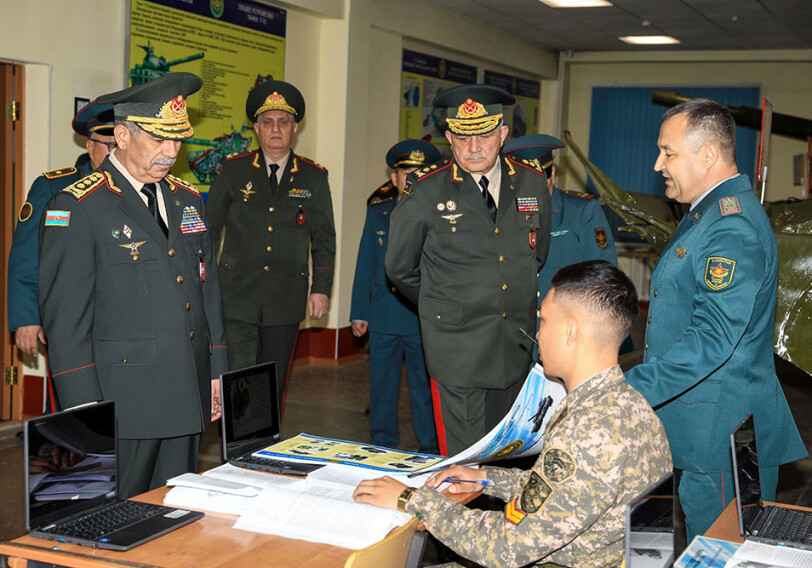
[155, 66]
[206, 164]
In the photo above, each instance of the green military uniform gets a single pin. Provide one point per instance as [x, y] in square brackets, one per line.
[133, 314]
[604, 446]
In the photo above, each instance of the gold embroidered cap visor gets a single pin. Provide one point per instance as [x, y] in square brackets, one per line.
[412, 153]
[534, 147]
[473, 109]
[94, 117]
[275, 95]
[159, 106]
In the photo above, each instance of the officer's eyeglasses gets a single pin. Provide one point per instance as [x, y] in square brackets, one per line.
[110, 145]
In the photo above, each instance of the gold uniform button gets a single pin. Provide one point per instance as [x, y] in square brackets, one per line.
[200, 251]
[270, 229]
[646, 345]
[453, 229]
[501, 258]
[655, 292]
[649, 319]
[269, 248]
[504, 315]
[394, 289]
[188, 306]
[171, 252]
[267, 268]
[124, 361]
[271, 209]
[179, 279]
[438, 316]
[496, 230]
[505, 286]
[191, 335]
[538, 294]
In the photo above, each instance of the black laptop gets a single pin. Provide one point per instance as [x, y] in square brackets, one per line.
[70, 481]
[250, 420]
[650, 526]
[772, 524]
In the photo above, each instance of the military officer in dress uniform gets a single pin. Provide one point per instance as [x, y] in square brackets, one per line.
[466, 243]
[129, 291]
[275, 207]
[579, 230]
[95, 123]
[390, 318]
[708, 356]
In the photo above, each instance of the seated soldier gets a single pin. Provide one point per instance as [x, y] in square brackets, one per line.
[603, 446]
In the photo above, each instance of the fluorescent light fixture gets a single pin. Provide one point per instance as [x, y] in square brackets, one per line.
[649, 40]
[576, 3]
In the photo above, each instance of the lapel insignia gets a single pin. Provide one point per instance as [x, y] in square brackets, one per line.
[255, 161]
[300, 193]
[128, 232]
[133, 248]
[455, 174]
[57, 218]
[600, 237]
[191, 222]
[525, 204]
[729, 205]
[246, 192]
[452, 219]
[511, 170]
[295, 168]
[719, 272]
[681, 251]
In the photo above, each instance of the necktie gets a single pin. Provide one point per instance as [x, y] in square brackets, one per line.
[150, 191]
[272, 178]
[486, 195]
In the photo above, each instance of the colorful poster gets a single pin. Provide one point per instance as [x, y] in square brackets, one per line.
[423, 78]
[523, 117]
[232, 45]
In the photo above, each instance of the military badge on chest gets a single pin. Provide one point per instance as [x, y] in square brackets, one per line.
[247, 192]
[191, 221]
[133, 248]
[300, 216]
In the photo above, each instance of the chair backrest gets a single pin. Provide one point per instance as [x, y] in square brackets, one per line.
[391, 552]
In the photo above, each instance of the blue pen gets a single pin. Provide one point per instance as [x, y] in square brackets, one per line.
[477, 481]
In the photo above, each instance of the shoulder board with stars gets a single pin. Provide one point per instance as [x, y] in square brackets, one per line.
[432, 169]
[382, 193]
[377, 201]
[54, 174]
[531, 165]
[235, 155]
[313, 163]
[86, 185]
[182, 183]
[578, 194]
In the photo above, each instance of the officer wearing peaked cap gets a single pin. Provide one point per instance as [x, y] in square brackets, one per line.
[129, 290]
[275, 207]
[579, 230]
[390, 318]
[95, 123]
[466, 244]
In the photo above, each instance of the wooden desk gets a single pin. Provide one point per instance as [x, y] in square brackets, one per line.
[726, 527]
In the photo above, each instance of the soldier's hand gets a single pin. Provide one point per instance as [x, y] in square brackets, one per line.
[359, 328]
[383, 492]
[319, 305]
[26, 336]
[459, 472]
[216, 408]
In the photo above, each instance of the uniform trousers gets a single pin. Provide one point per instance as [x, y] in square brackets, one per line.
[251, 344]
[465, 415]
[386, 354]
[146, 464]
[703, 496]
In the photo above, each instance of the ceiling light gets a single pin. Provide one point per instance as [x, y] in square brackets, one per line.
[649, 40]
[576, 3]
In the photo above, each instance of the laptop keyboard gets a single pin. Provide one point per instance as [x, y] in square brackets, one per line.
[110, 518]
[789, 525]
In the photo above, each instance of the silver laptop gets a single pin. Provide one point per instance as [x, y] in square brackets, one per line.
[71, 484]
[772, 524]
[250, 420]
[650, 526]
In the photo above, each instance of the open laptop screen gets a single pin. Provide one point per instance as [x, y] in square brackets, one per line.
[250, 409]
[70, 462]
[650, 526]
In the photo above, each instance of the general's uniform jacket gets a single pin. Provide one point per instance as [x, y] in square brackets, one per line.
[23, 260]
[579, 232]
[474, 281]
[708, 357]
[374, 298]
[603, 447]
[264, 262]
[130, 316]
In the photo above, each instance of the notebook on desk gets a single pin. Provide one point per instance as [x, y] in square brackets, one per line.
[75, 501]
[250, 420]
[772, 524]
[650, 526]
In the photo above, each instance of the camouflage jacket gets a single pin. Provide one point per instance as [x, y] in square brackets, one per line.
[604, 446]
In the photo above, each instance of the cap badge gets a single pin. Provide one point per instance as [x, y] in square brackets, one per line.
[471, 109]
[174, 109]
[275, 101]
[417, 156]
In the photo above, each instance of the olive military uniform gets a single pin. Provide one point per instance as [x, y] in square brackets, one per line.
[265, 252]
[131, 315]
[474, 281]
[604, 447]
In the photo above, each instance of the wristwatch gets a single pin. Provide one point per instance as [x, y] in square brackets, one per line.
[404, 498]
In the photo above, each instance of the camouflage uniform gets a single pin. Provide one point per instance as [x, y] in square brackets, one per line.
[604, 446]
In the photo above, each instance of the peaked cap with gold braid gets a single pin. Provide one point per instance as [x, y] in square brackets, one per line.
[473, 109]
[275, 95]
[159, 106]
[94, 117]
[534, 147]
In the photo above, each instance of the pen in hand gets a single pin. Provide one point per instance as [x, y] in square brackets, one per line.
[528, 336]
[477, 481]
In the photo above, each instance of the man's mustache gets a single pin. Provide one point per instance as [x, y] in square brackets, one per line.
[164, 161]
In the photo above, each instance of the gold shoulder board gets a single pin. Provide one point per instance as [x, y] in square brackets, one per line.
[85, 185]
[53, 174]
[182, 183]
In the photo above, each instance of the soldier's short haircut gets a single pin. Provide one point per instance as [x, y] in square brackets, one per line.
[709, 122]
[604, 290]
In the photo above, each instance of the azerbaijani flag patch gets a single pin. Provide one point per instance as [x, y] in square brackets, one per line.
[191, 221]
[525, 204]
[57, 218]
